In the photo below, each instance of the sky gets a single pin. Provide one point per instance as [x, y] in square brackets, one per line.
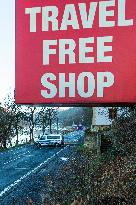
[7, 47]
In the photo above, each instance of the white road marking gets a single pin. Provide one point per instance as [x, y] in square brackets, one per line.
[17, 157]
[29, 173]
[64, 159]
[1, 153]
[21, 168]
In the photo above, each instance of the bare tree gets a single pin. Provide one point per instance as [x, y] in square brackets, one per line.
[6, 126]
[43, 119]
[31, 121]
[51, 115]
[13, 117]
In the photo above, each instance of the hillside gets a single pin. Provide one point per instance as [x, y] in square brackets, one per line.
[77, 115]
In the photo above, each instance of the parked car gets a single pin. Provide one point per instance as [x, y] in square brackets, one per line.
[50, 139]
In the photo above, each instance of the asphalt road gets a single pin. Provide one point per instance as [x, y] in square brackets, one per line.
[19, 165]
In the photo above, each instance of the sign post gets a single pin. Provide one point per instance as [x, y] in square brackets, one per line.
[77, 52]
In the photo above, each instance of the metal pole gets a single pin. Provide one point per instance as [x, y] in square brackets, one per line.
[57, 125]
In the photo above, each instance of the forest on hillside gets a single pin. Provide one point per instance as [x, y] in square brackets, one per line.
[77, 115]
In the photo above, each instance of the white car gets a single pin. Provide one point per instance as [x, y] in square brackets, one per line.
[50, 139]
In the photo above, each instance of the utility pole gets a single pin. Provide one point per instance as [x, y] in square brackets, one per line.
[50, 121]
[57, 125]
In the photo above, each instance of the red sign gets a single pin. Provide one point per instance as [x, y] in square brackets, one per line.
[75, 51]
